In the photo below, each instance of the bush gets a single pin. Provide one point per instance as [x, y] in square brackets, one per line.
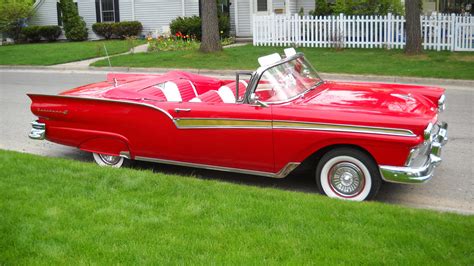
[103, 29]
[187, 25]
[126, 29]
[32, 33]
[74, 26]
[13, 15]
[50, 33]
[192, 26]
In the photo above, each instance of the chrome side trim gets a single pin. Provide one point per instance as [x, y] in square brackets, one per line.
[427, 132]
[207, 123]
[342, 128]
[442, 103]
[125, 154]
[281, 174]
[38, 130]
[108, 100]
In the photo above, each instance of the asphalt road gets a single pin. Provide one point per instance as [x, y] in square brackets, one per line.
[451, 189]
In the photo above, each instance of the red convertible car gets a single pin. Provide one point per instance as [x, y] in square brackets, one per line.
[268, 122]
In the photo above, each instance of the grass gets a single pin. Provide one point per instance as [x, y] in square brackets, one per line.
[59, 52]
[453, 65]
[57, 211]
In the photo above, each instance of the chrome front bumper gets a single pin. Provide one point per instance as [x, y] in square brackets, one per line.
[38, 130]
[409, 174]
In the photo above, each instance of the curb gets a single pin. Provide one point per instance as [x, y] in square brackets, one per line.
[227, 72]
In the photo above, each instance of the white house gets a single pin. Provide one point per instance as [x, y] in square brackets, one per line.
[242, 11]
[155, 15]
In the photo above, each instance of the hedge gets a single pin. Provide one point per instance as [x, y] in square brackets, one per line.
[118, 29]
[35, 33]
[192, 26]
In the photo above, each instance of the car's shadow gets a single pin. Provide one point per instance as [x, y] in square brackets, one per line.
[301, 181]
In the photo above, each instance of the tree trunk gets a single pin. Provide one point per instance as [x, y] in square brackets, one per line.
[210, 41]
[412, 15]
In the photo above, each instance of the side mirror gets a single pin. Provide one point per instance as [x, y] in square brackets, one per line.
[254, 100]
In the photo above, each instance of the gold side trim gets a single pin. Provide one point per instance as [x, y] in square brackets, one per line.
[342, 128]
[221, 123]
[281, 174]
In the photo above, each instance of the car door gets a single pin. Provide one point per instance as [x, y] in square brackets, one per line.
[230, 135]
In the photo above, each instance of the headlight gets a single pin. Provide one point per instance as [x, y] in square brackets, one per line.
[418, 155]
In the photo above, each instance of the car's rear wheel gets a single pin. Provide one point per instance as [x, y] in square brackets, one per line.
[109, 160]
[349, 174]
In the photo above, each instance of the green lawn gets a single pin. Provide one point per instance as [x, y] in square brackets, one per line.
[58, 52]
[354, 61]
[57, 211]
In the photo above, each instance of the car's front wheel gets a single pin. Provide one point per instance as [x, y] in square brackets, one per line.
[349, 174]
[108, 160]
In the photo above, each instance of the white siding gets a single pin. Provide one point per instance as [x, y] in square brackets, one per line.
[87, 12]
[125, 8]
[293, 7]
[192, 8]
[278, 4]
[45, 14]
[307, 5]
[154, 14]
[232, 17]
[244, 18]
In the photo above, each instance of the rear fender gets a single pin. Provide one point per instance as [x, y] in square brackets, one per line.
[106, 145]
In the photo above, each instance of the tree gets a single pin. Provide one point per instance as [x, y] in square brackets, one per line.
[74, 26]
[13, 16]
[413, 26]
[210, 41]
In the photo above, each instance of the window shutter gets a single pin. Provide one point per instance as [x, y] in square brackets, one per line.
[59, 14]
[97, 10]
[116, 11]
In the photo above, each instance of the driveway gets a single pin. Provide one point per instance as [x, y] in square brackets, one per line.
[451, 189]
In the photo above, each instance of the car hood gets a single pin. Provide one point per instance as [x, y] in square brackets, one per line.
[375, 98]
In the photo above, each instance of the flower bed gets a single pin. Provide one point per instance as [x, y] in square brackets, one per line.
[176, 42]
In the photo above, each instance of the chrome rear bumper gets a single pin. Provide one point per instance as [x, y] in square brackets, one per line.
[410, 175]
[38, 130]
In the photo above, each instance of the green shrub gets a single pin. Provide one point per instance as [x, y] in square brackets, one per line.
[74, 26]
[13, 15]
[50, 33]
[32, 33]
[127, 29]
[187, 26]
[103, 29]
[192, 26]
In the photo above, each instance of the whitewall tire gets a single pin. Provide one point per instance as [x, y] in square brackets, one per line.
[108, 160]
[348, 174]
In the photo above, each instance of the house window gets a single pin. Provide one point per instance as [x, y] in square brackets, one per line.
[262, 5]
[107, 10]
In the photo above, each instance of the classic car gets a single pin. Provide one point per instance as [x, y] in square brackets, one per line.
[283, 116]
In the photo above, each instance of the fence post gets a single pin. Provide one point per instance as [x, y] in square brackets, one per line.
[389, 30]
[453, 32]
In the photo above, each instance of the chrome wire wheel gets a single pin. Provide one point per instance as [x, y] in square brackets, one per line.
[108, 160]
[348, 174]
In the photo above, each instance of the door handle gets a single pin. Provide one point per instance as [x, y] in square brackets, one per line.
[177, 110]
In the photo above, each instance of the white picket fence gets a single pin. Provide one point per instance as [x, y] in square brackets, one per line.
[440, 32]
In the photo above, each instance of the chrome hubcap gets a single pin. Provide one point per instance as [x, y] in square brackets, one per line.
[109, 159]
[346, 179]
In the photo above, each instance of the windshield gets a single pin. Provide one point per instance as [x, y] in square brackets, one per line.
[287, 81]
